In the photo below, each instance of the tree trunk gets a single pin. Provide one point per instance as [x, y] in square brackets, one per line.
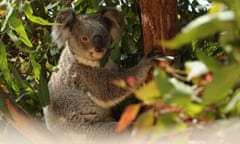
[159, 22]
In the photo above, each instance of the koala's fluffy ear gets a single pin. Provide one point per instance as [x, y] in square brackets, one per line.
[66, 16]
[112, 15]
[60, 33]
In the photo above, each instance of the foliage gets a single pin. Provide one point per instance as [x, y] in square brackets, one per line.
[208, 88]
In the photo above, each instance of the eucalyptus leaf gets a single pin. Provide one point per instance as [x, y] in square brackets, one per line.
[168, 122]
[181, 87]
[192, 109]
[203, 27]
[43, 91]
[17, 25]
[17, 43]
[4, 64]
[162, 81]
[221, 85]
[10, 11]
[3, 106]
[233, 102]
[27, 9]
[36, 67]
[212, 64]
[180, 95]
[18, 79]
[145, 120]
[148, 93]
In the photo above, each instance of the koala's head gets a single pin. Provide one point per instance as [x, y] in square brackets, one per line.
[88, 35]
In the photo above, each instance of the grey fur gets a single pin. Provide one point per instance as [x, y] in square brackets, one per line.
[81, 92]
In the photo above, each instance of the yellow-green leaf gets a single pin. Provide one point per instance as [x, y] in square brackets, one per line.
[145, 120]
[4, 64]
[17, 26]
[192, 109]
[216, 7]
[148, 93]
[36, 67]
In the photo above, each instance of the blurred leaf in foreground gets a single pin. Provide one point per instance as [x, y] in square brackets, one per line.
[128, 116]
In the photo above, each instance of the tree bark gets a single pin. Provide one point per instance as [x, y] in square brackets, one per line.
[159, 22]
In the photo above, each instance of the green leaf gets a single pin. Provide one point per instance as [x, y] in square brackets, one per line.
[11, 90]
[223, 81]
[192, 109]
[180, 95]
[182, 87]
[177, 98]
[16, 41]
[168, 122]
[43, 91]
[162, 81]
[145, 120]
[212, 64]
[4, 64]
[148, 93]
[27, 9]
[10, 10]
[3, 106]
[17, 25]
[202, 27]
[18, 80]
[36, 67]
[233, 102]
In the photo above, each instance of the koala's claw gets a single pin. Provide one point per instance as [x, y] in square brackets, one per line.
[154, 55]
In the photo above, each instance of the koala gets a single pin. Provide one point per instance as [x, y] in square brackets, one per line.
[82, 92]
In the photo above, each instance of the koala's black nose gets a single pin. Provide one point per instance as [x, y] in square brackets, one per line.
[98, 41]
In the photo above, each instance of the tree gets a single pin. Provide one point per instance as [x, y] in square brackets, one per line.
[159, 22]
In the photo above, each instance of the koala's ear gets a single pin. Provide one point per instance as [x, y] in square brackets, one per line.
[66, 16]
[60, 33]
[112, 16]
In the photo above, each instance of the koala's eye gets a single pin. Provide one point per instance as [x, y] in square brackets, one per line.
[85, 39]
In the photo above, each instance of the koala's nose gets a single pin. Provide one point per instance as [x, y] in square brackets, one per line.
[98, 41]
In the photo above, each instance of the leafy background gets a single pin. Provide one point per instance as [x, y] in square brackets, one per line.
[201, 85]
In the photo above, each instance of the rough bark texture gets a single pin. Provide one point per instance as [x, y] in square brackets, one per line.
[159, 22]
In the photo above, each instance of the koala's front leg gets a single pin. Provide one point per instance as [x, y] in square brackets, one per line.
[99, 81]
